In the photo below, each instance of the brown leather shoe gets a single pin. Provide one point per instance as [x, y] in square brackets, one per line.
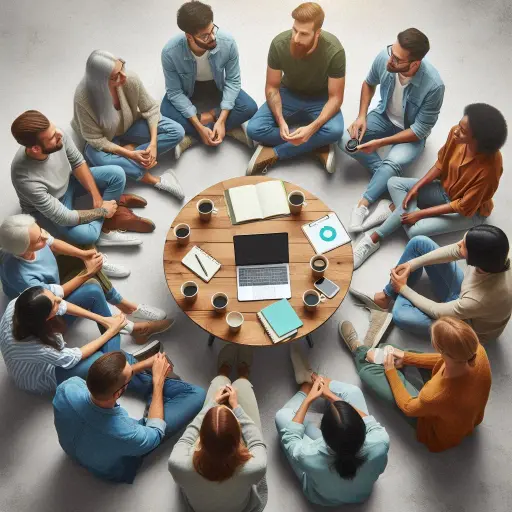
[132, 201]
[125, 219]
[262, 159]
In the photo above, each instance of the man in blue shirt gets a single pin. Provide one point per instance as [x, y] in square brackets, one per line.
[202, 81]
[99, 434]
[411, 93]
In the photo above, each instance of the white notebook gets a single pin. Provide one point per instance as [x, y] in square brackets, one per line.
[257, 202]
[210, 264]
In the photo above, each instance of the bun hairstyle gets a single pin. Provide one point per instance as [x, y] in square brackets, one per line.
[344, 431]
[455, 338]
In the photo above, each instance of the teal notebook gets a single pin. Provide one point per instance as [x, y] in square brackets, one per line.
[281, 317]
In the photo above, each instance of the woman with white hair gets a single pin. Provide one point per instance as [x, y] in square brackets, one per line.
[121, 122]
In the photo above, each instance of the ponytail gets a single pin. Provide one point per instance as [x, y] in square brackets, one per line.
[347, 464]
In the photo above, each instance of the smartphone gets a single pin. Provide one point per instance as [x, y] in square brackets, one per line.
[327, 287]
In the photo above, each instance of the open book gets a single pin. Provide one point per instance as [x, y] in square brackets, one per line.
[257, 202]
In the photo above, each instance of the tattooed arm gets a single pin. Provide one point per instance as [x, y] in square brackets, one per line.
[86, 216]
[272, 94]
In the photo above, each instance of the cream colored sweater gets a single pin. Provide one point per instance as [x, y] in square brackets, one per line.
[485, 300]
[135, 103]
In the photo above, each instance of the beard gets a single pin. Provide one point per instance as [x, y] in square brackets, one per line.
[392, 69]
[205, 46]
[49, 151]
[299, 51]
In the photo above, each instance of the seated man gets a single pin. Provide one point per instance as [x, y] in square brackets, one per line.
[305, 85]
[482, 295]
[99, 434]
[202, 80]
[48, 173]
[411, 92]
[27, 259]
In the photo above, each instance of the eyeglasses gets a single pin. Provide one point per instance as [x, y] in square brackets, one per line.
[116, 78]
[394, 58]
[124, 386]
[210, 35]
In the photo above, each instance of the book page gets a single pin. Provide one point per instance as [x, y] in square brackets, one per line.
[272, 197]
[245, 203]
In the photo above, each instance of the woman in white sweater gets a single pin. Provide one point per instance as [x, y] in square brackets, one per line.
[121, 122]
[220, 461]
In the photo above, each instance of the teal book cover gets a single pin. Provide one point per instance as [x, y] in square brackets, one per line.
[282, 317]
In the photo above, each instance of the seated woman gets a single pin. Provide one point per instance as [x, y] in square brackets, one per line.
[452, 401]
[28, 259]
[340, 461]
[456, 194]
[121, 123]
[481, 295]
[221, 459]
[31, 341]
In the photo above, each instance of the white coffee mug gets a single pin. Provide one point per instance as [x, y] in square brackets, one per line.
[317, 273]
[310, 305]
[205, 216]
[220, 309]
[295, 209]
[190, 297]
[234, 320]
[182, 239]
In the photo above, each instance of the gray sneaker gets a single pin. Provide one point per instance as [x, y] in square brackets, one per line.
[169, 183]
[349, 335]
[379, 323]
[301, 366]
[365, 299]
[148, 351]
[240, 134]
[185, 143]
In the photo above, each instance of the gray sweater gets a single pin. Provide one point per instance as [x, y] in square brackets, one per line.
[245, 491]
[41, 183]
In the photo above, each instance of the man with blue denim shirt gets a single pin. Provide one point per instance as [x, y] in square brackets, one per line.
[99, 434]
[202, 80]
[411, 97]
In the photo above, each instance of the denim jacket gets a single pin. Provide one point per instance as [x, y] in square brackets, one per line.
[423, 96]
[180, 70]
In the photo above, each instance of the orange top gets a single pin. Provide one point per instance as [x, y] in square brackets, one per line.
[448, 409]
[469, 185]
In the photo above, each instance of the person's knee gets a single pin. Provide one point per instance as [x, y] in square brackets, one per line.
[254, 128]
[116, 175]
[173, 129]
[197, 396]
[403, 317]
[394, 183]
[250, 107]
[390, 167]
[421, 244]
[282, 418]
[416, 231]
[165, 106]
[335, 127]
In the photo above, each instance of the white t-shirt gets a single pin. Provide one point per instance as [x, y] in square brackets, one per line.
[204, 71]
[395, 109]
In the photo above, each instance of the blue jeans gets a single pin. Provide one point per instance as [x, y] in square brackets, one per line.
[446, 280]
[429, 195]
[111, 180]
[245, 107]
[296, 110]
[399, 156]
[170, 135]
[89, 296]
[182, 401]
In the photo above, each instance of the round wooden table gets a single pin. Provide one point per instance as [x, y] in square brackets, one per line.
[216, 238]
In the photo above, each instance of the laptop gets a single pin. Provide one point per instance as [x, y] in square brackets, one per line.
[262, 266]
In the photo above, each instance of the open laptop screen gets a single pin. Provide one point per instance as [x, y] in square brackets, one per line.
[265, 249]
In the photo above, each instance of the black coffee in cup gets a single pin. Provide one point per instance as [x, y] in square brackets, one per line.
[220, 301]
[205, 207]
[296, 199]
[319, 264]
[182, 232]
[351, 145]
[311, 299]
[189, 290]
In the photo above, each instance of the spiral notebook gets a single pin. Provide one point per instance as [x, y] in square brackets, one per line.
[210, 264]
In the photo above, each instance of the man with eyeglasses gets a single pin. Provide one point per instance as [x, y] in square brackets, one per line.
[411, 93]
[202, 80]
[95, 431]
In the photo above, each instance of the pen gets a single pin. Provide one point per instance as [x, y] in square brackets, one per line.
[199, 261]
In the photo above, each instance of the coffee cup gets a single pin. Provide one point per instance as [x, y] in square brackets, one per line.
[312, 299]
[235, 321]
[206, 208]
[190, 291]
[182, 234]
[318, 264]
[351, 145]
[220, 302]
[296, 200]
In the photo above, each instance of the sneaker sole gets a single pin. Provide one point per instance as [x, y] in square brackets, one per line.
[329, 165]
[366, 300]
[382, 331]
[248, 140]
[252, 161]
[112, 243]
[115, 274]
[150, 346]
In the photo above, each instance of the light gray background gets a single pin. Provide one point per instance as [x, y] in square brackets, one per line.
[44, 46]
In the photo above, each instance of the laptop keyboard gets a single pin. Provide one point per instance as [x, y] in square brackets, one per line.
[267, 276]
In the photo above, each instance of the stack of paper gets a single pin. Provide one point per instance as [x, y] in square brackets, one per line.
[280, 321]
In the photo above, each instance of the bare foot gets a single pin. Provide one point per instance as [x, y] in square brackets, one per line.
[126, 307]
[207, 118]
[225, 370]
[149, 179]
[130, 147]
[382, 300]
[243, 371]
[306, 387]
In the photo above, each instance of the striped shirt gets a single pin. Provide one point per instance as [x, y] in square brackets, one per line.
[30, 363]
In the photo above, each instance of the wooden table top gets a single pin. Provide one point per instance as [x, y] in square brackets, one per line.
[216, 238]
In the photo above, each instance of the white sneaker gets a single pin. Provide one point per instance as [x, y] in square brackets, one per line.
[379, 215]
[117, 238]
[146, 312]
[185, 143]
[240, 134]
[114, 270]
[363, 250]
[357, 217]
[169, 183]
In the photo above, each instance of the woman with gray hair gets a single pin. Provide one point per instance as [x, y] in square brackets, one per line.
[121, 123]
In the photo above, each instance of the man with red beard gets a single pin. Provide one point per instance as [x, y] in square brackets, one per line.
[305, 86]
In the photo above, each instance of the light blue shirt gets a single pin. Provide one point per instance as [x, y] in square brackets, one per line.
[107, 442]
[422, 98]
[180, 70]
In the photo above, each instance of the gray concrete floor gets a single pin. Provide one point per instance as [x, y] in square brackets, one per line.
[44, 46]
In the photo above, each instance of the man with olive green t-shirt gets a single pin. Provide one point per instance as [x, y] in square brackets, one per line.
[305, 86]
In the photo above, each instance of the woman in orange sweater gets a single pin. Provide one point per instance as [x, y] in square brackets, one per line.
[452, 401]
